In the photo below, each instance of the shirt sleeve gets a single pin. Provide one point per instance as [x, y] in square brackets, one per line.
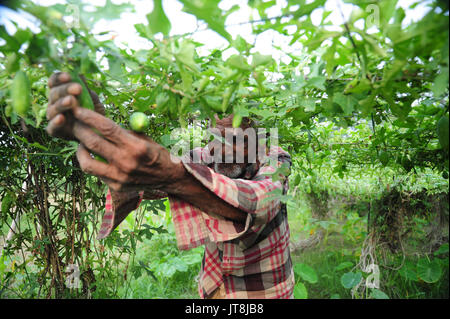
[259, 197]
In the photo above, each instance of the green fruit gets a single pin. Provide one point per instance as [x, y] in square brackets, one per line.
[12, 63]
[237, 120]
[384, 158]
[297, 179]
[309, 154]
[8, 110]
[443, 132]
[226, 99]
[21, 93]
[84, 98]
[139, 122]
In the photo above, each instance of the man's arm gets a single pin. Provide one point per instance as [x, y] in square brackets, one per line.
[135, 162]
[191, 190]
[138, 163]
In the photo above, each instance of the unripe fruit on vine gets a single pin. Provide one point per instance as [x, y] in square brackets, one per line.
[237, 120]
[309, 154]
[226, 99]
[297, 179]
[12, 63]
[139, 122]
[443, 132]
[21, 93]
[84, 98]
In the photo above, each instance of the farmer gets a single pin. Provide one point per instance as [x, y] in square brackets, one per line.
[224, 206]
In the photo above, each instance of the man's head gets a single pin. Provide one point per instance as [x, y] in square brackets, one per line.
[238, 148]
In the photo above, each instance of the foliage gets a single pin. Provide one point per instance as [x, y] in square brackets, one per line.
[362, 109]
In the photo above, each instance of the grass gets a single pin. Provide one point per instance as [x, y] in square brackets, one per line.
[168, 273]
[341, 246]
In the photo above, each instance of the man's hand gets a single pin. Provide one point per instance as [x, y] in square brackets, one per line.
[135, 162]
[62, 98]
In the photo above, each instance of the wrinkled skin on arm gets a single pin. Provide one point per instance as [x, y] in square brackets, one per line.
[135, 161]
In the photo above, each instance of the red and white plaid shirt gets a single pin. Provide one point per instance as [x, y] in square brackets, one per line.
[251, 260]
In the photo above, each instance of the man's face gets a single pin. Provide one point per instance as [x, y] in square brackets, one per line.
[237, 151]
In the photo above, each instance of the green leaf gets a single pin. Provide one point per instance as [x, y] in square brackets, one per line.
[408, 271]
[328, 56]
[317, 82]
[185, 54]
[306, 9]
[343, 265]
[265, 113]
[346, 102]
[7, 201]
[362, 86]
[440, 83]
[208, 11]
[442, 250]
[143, 30]
[309, 104]
[157, 19]
[115, 68]
[111, 11]
[149, 272]
[306, 273]
[378, 294]
[386, 10]
[238, 62]
[429, 271]
[366, 105]
[259, 59]
[351, 279]
[240, 44]
[300, 291]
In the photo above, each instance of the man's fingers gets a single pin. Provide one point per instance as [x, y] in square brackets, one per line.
[58, 78]
[94, 142]
[90, 165]
[55, 124]
[108, 128]
[64, 104]
[71, 88]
